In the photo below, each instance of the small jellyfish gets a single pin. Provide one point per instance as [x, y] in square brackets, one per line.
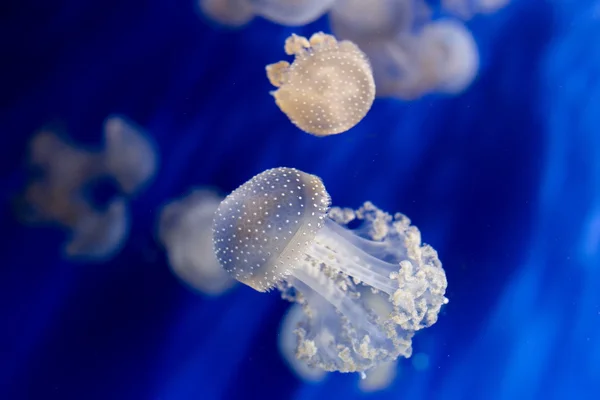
[291, 12]
[441, 57]
[185, 229]
[328, 88]
[233, 13]
[277, 231]
[60, 191]
[363, 21]
[287, 341]
[236, 13]
[129, 156]
[448, 54]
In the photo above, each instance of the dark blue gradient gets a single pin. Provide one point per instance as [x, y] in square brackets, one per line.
[503, 180]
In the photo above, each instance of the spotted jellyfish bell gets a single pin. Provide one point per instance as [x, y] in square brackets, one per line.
[274, 231]
[328, 88]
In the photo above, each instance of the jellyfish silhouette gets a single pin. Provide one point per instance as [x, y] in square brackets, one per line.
[59, 193]
[185, 229]
[328, 88]
[236, 13]
[277, 231]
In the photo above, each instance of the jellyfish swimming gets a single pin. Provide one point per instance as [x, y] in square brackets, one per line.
[185, 229]
[59, 192]
[364, 22]
[440, 57]
[378, 378]
[328, 88]
[236, 13]
[278, 231]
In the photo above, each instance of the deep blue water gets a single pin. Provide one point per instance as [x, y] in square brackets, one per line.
[503, 180]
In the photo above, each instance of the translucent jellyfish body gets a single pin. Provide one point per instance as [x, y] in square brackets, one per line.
[236, 13]
[327, 89]
[363, 21]
[185, 229]
[378, 378]
[277, 231]
[287, 343]
[441, 57]
[59, 192]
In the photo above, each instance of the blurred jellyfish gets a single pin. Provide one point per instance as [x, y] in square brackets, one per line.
[291, 12]
[377, 378]
[441, 57]
[287, 343]
[185, 229]
[364, 22]
[235, 13]
[276, 231]
[467, 9]
[129, 156]
[59, 192]
[328, 88]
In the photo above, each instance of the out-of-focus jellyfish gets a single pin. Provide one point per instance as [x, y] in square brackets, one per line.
[59, 193]
[185, 229]
[467, 9]
[441, 57]
[328, 88]
[235, 13]
[367, 21]
[291, 12]
[128, 156]
[377, 378]
[287, 343]
[277, 231]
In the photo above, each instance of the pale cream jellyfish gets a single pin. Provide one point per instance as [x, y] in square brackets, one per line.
[185, 229]
[60, 195]
[57, 197]
[291, 12]
[287, 343]
[129, 156]
[365, 22]
[376, 379]
[277, 231]
[236, 13]
[233, 13]
[441, 57]
[327, 89]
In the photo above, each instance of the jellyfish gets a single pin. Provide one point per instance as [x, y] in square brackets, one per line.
[185, 229]
[378, 378]
[232, 13]
[60, 191]
[286, 341]
[364, 22]
[277, 231]
[236, 13]
[129, 156]
[440, 57]
[327, 89]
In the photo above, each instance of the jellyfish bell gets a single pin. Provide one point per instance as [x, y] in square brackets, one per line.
[448, 53]
[275, 231]
[231, 13]
[184, 229]
[329, 87]
[291, 12]
[366, 21]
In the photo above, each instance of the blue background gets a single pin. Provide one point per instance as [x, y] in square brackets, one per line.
[503, 180]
